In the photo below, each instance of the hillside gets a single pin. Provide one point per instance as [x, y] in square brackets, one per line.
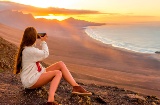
[12, 92]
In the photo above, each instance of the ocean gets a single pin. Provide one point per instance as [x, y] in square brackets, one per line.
[138, 37]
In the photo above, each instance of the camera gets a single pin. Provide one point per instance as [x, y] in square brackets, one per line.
[40, 35]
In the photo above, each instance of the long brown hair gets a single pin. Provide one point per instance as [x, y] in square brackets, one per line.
[29, 38]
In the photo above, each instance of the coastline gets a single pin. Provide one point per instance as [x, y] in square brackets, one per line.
[117, 37]
[152, 55]
[134, 79]
[132, 53]
[91, 61]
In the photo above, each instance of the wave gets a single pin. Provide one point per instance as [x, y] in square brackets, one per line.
[120, 44]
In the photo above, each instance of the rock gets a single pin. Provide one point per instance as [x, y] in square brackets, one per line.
[153, 103]
[157, 52]
[136, 96]
[80, 100]
[99, 99]
[38, 92]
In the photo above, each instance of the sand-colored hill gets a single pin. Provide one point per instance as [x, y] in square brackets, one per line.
[12, 35]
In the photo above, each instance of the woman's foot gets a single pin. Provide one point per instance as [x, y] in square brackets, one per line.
[52, 103]
[80, 91]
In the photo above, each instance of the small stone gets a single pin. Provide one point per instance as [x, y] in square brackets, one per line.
[153, 103]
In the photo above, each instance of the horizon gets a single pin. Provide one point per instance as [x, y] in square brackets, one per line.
[106, 11]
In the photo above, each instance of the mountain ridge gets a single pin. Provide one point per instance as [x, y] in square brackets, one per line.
[16, 18]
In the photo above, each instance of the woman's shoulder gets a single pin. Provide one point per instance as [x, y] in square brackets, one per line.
[29, 49]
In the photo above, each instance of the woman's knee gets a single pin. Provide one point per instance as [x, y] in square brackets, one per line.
[58, 73]
[61, 63]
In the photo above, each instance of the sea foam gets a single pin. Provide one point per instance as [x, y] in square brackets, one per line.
[140, 37]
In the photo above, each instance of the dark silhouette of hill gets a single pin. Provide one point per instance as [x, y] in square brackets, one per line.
[80, 23]
[20, 20]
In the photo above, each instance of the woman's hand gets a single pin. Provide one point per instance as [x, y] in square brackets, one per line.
[44, 38]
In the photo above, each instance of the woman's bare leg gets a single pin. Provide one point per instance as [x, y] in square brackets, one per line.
[51, 76]
[65, 72]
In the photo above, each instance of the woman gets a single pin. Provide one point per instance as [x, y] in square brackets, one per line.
[33, 75]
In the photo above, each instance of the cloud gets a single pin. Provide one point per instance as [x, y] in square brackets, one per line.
[36, 11]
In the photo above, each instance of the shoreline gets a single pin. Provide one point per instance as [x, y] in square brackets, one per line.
[113, 47]
[93, 35]
[152, 55]
[142, 72]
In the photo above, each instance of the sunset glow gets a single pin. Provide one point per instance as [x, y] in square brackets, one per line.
[51, 16]
[109, 9]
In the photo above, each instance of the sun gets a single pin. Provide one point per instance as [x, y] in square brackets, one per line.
[51, 16]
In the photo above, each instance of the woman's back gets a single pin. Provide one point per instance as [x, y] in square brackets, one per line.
[31, 55]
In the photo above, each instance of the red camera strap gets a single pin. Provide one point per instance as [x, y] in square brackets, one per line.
[38, 66]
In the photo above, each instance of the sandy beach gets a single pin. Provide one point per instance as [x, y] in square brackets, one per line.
[93, 62]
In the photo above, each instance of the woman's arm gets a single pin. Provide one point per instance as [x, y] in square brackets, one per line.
[44, 53]
[41, 54]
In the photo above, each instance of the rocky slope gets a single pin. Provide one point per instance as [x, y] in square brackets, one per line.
[12, 92]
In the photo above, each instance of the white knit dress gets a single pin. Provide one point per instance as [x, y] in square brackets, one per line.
[30, 55]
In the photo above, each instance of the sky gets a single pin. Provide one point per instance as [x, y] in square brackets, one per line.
[103, 10]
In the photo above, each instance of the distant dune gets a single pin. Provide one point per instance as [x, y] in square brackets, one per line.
[89, 60]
